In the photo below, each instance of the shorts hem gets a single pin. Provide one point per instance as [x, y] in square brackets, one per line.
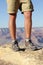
[11, 12]
[28, 10]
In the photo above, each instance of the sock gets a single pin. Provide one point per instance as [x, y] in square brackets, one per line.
[27, 39]
[13, 41]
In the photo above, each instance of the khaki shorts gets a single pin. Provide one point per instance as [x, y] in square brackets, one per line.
[23, 5]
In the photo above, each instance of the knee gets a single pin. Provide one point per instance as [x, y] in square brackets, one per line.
[27, 14]
[12, 16]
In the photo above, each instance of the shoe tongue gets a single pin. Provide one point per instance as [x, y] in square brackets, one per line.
[30, 41]
[16, 42]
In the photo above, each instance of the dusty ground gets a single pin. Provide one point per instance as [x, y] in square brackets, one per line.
[27, 57]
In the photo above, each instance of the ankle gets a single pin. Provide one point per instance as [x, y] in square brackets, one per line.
[14, 40]
[28, 39]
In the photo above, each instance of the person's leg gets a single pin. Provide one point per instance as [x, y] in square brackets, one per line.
[12, 26]
[27, 9]
[28, 24]
[12, 10]
[12, 7]
[28, 27]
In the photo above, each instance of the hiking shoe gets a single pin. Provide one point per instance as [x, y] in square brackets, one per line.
[29, 45]
[15, 46]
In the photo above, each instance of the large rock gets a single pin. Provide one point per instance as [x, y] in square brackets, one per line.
[27, 57]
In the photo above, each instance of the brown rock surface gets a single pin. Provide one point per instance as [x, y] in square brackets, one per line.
[10, 57]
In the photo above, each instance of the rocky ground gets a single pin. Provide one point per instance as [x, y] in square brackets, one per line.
[27, 57]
